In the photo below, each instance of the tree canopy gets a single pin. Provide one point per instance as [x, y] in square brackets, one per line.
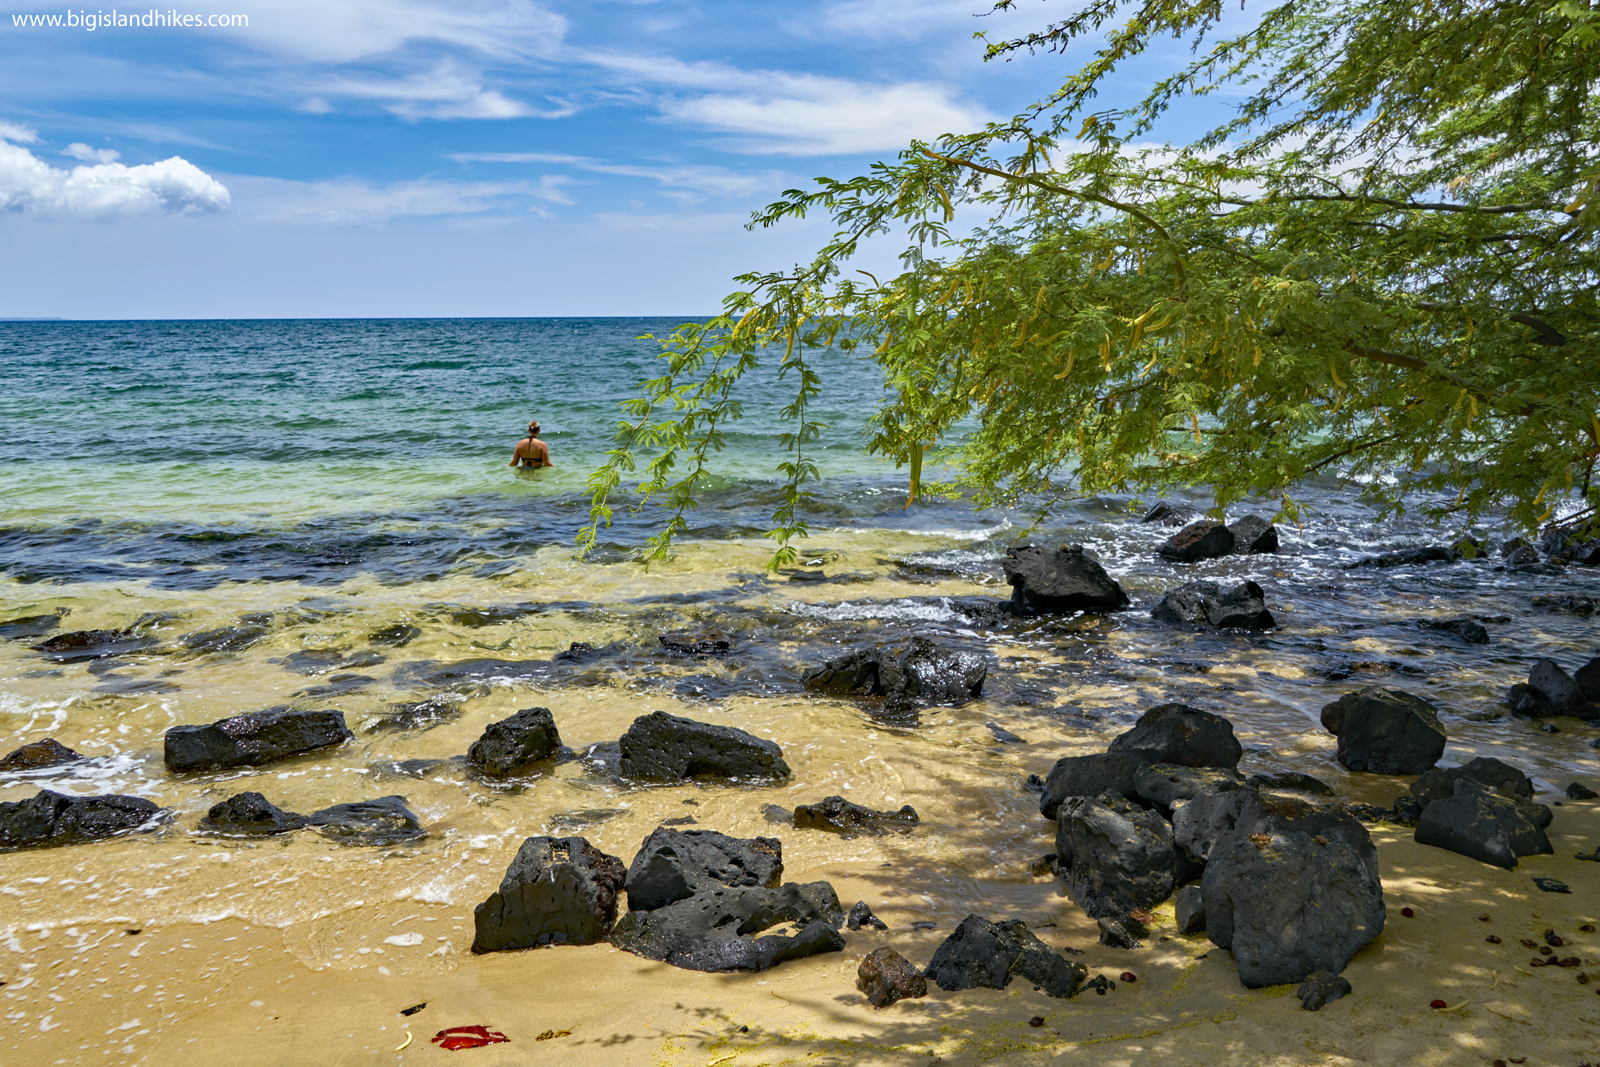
[1382, 264]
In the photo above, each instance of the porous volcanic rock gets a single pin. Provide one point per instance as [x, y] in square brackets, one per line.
[1177, 733]
[1117, 856]
[917, 671]
[713, 930]
[1320, 988]
[1253, 534]
[1550, 690]
[885, 976]
[1481, 824]
[1056, 581]
[704, 641]
[840, 816]
[557, 891]
[250, 814]
[1190, 910]
[674, 865]
[1197, 541]
[666, 747]
[1166, 785]
[48, 818]
[253, 739]
[983, 953]
[1089, 776]
[515, 745]
[1205, 603]
[1385, 731]
[384, 821]
[46, 753]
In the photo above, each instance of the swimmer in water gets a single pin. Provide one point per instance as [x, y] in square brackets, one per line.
[530, 451]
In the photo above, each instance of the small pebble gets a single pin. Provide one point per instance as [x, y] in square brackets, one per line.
[1128, 976]
[1545, 950]
[1437, 1004]
[1587, 928]
[1407, 912]
[1037, 1020]
[1484, 917]
[1493, 940]
[1554, 939]
[744, 1029]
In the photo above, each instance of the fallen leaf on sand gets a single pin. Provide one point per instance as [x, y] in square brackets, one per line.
[548, 1034]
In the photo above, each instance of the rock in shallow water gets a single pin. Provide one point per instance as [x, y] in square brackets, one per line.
[885, 976]
[46, 753]
[1385, 731]
[515, 745]
[49, 818]
[1198, 541]
[557, 891]
[250, 814]
[384, 821]
[912, 672]
[986, 954]
[861, 915]
[838, 815]
[1478, 823]
[1179, 734]
[253, 739]
[713, 930]
[1550, 690]
[1055, 581]
[665, 747]
[1243, 607]
[1252, 534]
[674, 865]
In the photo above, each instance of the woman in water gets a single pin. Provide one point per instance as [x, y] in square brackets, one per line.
[530, 451]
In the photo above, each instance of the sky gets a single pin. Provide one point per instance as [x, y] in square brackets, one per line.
[377, 158]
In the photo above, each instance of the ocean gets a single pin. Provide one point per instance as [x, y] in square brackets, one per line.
[320, 514]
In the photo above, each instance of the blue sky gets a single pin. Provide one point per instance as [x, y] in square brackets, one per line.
[458, 157]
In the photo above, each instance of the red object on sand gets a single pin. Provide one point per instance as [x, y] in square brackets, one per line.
[1127, 976]
[457, 1037]
[1407, 912]
[1437, 1004]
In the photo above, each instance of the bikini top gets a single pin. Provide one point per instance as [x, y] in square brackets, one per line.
[531, 461]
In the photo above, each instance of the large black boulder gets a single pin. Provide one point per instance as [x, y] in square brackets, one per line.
[666, 747]
[1167, 785]
[1177, 733]
[1057, 581]
[838, 815]
[1253, 534]
[558, 890]
[384, 821]
[48, 818]
[1293, 889]
[1117, 856]
[980, 953]
[46, 753]
[250, 814]
[1385, 731]
[1198, 541]
[1550, 690]
[253, 739]
[1204, 819]
[1090, 776]
[713, 930]
[912, 672]
[674, 865]
[515, 745]
[1440, 782]
[1205, 603]
[1479, 823]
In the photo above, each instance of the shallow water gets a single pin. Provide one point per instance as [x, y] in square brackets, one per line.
[318, 515]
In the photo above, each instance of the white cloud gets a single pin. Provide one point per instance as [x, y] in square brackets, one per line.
[343, 31]
[714, 181]
[778, 113]
[901, 18]
[347, 202]
[28, 183]
[78, 150]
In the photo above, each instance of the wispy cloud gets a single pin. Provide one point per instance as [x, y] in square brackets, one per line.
[447, 91]
[357, 202]
[713, 181]
[346, 31]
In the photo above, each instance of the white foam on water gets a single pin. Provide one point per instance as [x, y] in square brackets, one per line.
[894, 610]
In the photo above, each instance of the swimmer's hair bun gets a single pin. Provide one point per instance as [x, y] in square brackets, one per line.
[533, 427]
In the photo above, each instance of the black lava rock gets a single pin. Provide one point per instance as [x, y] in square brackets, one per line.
[1293, 889]
[986, 954]
[1198, 541]
[250, 814]
[838, 815]
[1408, 557]
[912, 672]
[1470, 631]
[1177, 733]
[24, 627]
[1253, 534]
[1205, 603]
[1385, 731]
[1089, 776]
[861, 915]
[557, 891]
[1588, 679]
[1579, 791]
[47, 819]
[674, 865]
[1117, 856]
[82, 645]
[1057, 581]
[384, 821]
[1483, 825]
[1165, 785]
[46, 753]
[1440, 782]
[665, 747]
[1190, 910]
[253, 739]
[1169, 514]
[420, 714]
[515, 745]
[885, 976]
[1320, 988]
[1552, 691]
[1203, 820]
[712, 931]
[705, 641]
[1292, 781]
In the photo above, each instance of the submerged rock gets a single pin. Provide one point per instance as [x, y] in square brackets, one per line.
[1198, 541]
[674, 865]
[1408, 557]
[48, 818]
[557, 891]
[420, 714]
[1177, 733]
[384, 821]
[705, 641]
[1478, 823]
[713, 930]
[1385, 731]
[1243, 607]
[46, 753]
[1469, 630]
[1056, 581]
[1293, 889]
[1118, 857]
[1090, 776]
[515, 745]
[1253, 534]
[665, 747]
[984, 954]
[914, 672]
[885, 976]
[253, 739]
[250, 814]
[25, 626]
[838, 815]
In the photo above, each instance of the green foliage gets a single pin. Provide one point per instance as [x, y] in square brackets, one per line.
[1384, 265]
